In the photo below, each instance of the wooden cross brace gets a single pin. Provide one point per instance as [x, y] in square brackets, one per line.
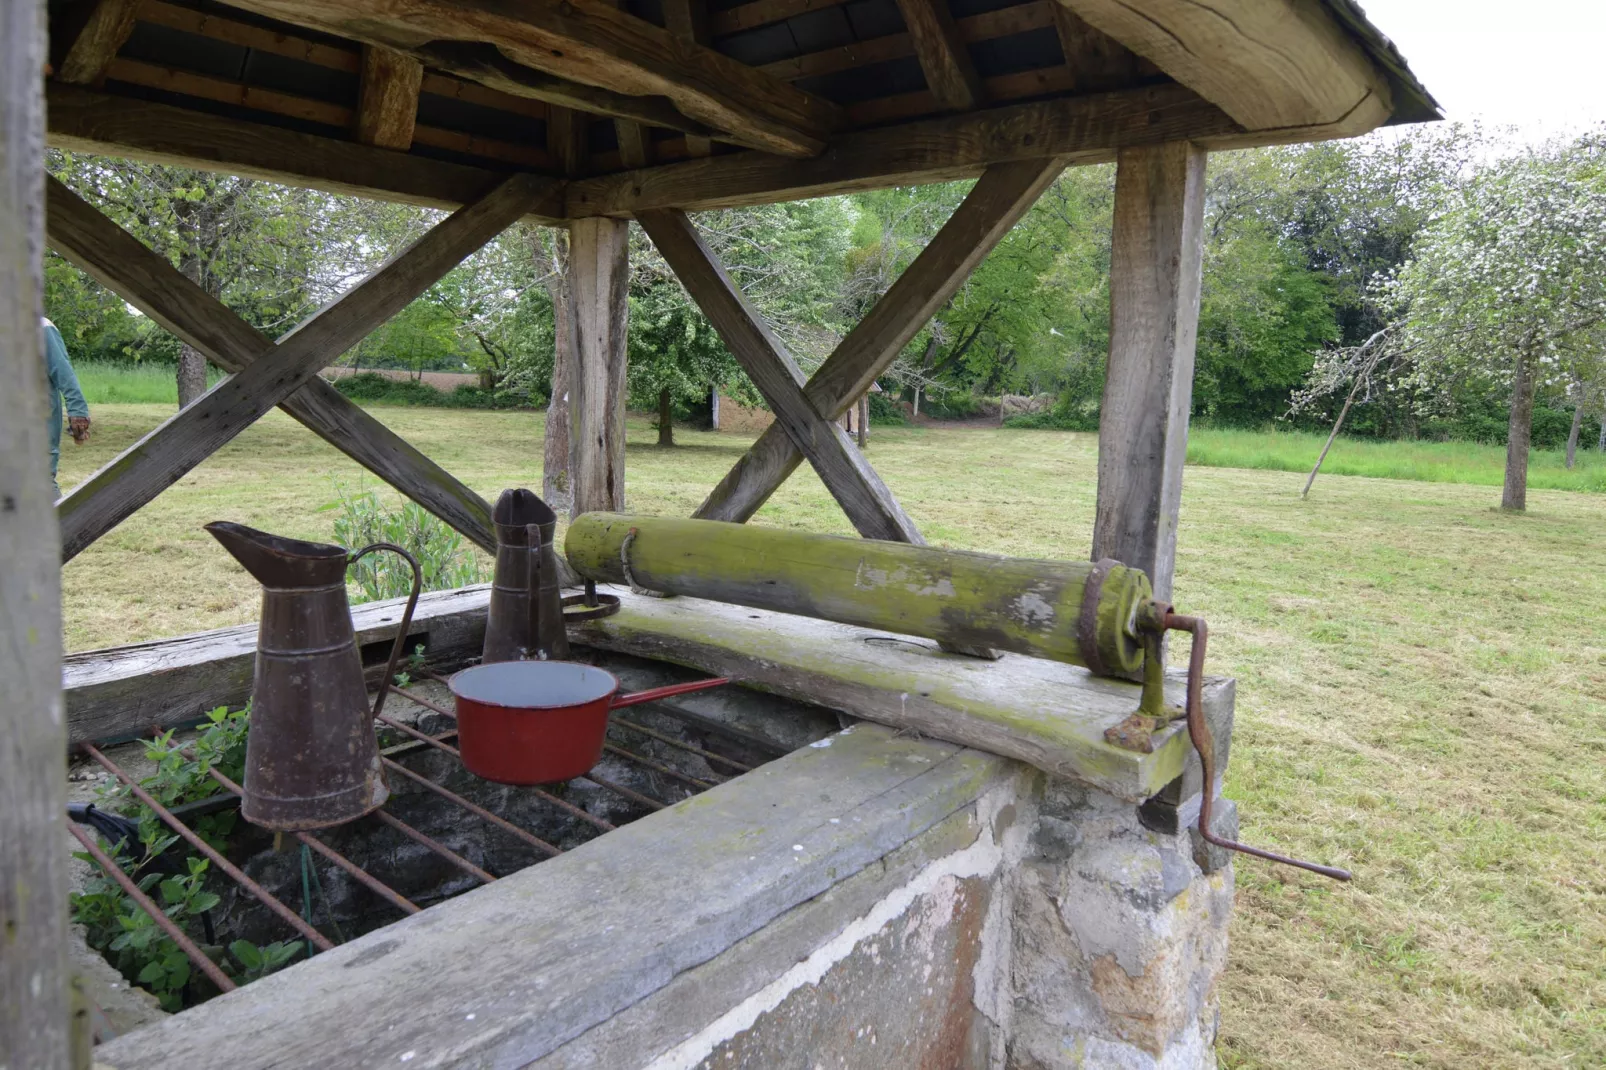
[269, 374]
[805, 412]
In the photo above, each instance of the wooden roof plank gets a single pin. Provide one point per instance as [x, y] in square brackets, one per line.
[592, 43]
[87, 121]
[1270, 64]
[1087, 129]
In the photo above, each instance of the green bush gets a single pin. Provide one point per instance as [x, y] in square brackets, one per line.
[1062, 417]
[374, 389]
[950, 405]
[886, 412]
[444, 558]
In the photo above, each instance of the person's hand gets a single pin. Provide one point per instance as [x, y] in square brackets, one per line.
[78, 428]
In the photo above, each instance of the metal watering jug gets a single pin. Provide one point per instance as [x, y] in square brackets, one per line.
[526, 615]
[311, 758]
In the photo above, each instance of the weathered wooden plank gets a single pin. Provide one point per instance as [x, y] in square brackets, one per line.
[599, 267]
[1088, 128]
[1048, 714]
[952, 596]
[127, 691]
[162, 457]
[106, 25]
[483, 64]
[866, 500]
[387, 106]
[944, 58]
[594, 43]
[1156, 263]
[688, 20]
[34, 1023]
[566, 140]
[511, 971]
[635, 148]
[998, 200]
[1270, 64]
[86, 121]
[145, 280]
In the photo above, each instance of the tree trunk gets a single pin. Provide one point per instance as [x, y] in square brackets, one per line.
[1578, 423]
[864, 421]
[917, 401]
[1601, 444]
[666, 418]
[555, 484]
[191, 375]
[1519, 432]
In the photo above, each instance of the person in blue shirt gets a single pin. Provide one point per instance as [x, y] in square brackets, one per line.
[63, 384]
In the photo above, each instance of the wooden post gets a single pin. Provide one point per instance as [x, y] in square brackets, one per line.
[1155, 266]
[599, 263]
[864, 421]
[713, 408]
[33, 773]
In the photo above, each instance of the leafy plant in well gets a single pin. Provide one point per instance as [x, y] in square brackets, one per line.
[443, 556]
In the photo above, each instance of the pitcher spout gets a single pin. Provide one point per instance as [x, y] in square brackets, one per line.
[278, 562]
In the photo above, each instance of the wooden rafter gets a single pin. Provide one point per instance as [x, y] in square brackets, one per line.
[944, 57]
[387, 108]
[86, 121]
[485, 65]
[592, 42]
[566, 141]
[998, 200]
[688, 20]
[1271, 66]
[842, 468]
[147, 281]
[162, 457]
[1090, 129]
[95, 34]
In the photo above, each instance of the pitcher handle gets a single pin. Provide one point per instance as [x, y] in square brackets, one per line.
[532, 534]
[407, 615]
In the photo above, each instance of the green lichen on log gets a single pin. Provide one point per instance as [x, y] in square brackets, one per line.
[953, 596]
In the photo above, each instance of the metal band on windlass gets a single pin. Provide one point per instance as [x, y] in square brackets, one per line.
[1087, 622]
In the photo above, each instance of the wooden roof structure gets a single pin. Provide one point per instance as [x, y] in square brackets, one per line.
[647, 104]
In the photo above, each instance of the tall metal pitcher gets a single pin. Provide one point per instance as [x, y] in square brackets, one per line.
[526, 615]
[311, 758]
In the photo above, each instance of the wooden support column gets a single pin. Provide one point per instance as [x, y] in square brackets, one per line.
[599, 266]
[34, 1029]
[852, 482]
[118, 260]
[1002, 196]
[162, 457]
[1155, 267]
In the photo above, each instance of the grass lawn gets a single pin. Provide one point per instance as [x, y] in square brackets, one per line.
[1421, 682]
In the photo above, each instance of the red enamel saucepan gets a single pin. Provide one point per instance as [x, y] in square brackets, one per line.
[536, 722]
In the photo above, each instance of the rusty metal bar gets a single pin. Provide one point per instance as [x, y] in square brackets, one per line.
[267, 898]
[372, 883]
[671, 741]
[619, 789]
[422, 737]
[674, 774]
[159, 916]
[479, 811]
[434, 845]
[1204, 743]
[413, 696]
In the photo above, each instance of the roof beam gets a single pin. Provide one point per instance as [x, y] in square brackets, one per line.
[484, 64]
[86, 121]
[95, 35]
[387, 107]
[1272, 65]
[1086, 129]
[591, 42]
[944, 58]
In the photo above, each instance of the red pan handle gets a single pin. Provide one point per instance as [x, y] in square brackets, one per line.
[665, 692]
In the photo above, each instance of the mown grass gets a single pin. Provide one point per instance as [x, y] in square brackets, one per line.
[105, 383]
[1429, 462]
[1420, 691]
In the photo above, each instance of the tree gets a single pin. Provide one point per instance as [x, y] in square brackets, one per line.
[271, 253]
[1508, 284]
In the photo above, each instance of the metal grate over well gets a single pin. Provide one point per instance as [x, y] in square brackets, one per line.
[518, 826]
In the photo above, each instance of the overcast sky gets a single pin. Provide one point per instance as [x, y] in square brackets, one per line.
[1536, 64]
